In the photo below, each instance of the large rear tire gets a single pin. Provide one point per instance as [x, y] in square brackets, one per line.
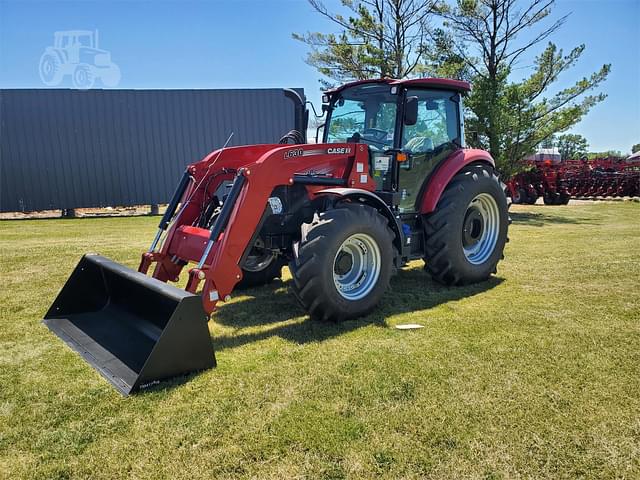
[343, 262]
[50, 69]
[466, 234]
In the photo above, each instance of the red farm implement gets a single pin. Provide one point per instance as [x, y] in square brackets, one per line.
[557, 182]
[390, 183]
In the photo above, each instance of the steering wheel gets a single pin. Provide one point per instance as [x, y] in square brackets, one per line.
[377, 134]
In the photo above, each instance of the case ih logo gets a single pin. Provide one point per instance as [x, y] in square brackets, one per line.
[339, 151]
[299, 152]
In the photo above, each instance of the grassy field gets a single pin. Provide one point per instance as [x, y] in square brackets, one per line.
[534, 374]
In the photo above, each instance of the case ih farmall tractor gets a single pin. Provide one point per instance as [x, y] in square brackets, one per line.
[391, 182]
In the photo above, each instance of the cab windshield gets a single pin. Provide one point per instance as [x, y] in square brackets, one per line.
[366, 111]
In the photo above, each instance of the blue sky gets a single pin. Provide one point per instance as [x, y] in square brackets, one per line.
[247, 43]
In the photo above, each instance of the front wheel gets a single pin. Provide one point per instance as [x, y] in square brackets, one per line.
[343, 262]
[83, 77]
[111, 76]
[466, 234]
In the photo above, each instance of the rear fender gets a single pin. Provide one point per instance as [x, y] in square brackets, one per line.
[445, 172]
[357, 195]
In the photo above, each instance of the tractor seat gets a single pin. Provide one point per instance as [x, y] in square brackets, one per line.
[419, 145]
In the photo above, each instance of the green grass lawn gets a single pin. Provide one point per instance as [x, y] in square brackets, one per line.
[535, 373]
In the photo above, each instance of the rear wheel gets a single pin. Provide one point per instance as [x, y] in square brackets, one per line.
[343, 262]
[466, 234]
[50, 69]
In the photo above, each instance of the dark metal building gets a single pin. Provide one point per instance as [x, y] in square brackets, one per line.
[73, 149]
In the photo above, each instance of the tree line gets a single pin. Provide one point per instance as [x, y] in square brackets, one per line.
[480, 41]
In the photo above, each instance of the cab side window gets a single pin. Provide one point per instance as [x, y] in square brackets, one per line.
[437, 122]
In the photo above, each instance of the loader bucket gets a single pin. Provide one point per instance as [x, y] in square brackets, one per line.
[133, 329]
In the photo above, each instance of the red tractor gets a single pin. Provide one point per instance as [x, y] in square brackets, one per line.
[391, 182]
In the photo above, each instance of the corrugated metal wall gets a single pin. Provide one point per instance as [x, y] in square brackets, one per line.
[73, 149]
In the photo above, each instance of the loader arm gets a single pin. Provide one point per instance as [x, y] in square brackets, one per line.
[256, 171]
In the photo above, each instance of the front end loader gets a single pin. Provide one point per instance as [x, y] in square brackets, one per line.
[391, 182]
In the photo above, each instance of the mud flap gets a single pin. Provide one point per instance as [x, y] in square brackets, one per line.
[133, 329]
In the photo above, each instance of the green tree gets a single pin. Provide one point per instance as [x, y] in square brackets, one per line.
[512, 117]
[635, 148]
[549, 142]
[605, 154]
[572, 146]
[378, 38]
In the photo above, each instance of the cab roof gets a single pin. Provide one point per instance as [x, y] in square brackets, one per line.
[444, 83]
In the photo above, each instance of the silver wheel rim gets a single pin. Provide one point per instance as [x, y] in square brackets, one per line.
[480, 229]
[356, 266]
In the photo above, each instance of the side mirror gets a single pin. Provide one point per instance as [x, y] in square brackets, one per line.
[410, 111]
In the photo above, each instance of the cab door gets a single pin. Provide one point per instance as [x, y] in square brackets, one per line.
[435, 135]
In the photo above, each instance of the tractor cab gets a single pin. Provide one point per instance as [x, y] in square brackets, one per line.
[79, 38]
[409, 126]
[76, 44]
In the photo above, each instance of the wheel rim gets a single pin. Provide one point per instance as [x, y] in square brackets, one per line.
[83, 78]
[517, 198]
[356, 266]
[480, 229]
